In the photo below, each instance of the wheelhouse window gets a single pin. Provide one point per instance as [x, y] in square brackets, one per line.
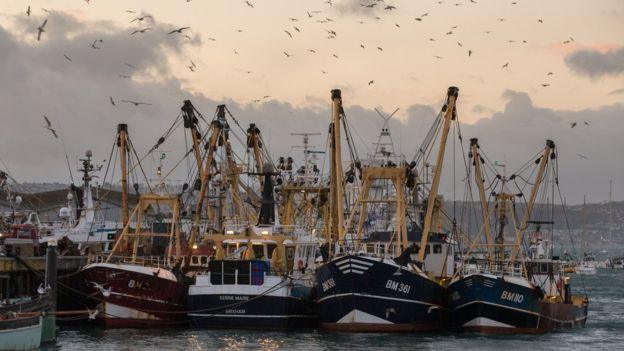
[437, 248]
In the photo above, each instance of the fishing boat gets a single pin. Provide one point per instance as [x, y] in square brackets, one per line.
[359, 287]
[499, 290]
[82, 223]
[261, 274]
[140, 282]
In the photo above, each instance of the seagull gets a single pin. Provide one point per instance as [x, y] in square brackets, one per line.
[141, 30]
[539, 20]
[130, 11]
[192, 66]
[438, 57]
[28, 11]
[249, 4]
[362, 46]
[549, 74]
[582, 156]
[324, 72]
[379, 48]
[129, 65]
[312, 51]
[140, 19]
[371, 82]
[334, 55]
[112, 101]
[104, 291]
[545, 85]
[135, 103]
[297, 29]
[93, 46]
[506, 65]
[397, 25]
[460, 44]
[469, 53]
[124, 76]
[293, 19]
[287, 32]
[41, 29]
[573, 124]
[390, 7]
[67, 58]
[235, 52]
[179, 30]
[586, 123]
[48, 126]
[45, 10]
[287, 54]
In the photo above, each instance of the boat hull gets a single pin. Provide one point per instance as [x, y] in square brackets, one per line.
[493, 305]
[362, 294]
[250, 311]
[21, 333]
[135, 297]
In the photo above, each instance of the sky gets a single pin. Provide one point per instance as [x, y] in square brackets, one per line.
[411, 54]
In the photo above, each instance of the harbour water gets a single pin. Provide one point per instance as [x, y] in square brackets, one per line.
[604, 331]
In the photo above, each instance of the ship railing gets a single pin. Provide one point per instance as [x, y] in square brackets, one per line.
[494, 267]
[151, 261]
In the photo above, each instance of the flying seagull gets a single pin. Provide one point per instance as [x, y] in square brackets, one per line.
[287, 54]
[573, 124]
[67, 58]
[371, 82]
[506, 65]
[140, 19]
[135, 103]
[249, 4]
[48, 126]
[112, 101]
[140, 31]
[41, 29]
[192, 66]
[179, 30]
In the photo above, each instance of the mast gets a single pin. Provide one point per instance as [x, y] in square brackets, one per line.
[122, 144]
[478, 161]
[610, 210]
[550, 145]
[449, 115]
[253, 141]
[190, 122]
[584, 233]
[336, 189]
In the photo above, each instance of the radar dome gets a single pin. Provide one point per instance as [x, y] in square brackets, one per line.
[64, 213]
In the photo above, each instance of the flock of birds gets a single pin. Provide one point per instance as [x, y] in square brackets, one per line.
[295, 28]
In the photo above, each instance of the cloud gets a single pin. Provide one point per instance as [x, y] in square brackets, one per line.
[37, 80]
[356, 7]
[595, 64]
[617, 92]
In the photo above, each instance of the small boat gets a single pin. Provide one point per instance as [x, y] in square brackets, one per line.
[20, 333]
[587, 266]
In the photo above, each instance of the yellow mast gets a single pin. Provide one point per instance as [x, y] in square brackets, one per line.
[550, 145]
[122, 144]
[476, 157]
[449, 109]
[336, 190]
[190, 122]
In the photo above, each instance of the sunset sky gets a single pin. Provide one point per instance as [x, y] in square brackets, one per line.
[238, 52]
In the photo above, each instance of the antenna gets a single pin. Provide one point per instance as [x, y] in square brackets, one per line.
[306, 149]
[380, 146]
